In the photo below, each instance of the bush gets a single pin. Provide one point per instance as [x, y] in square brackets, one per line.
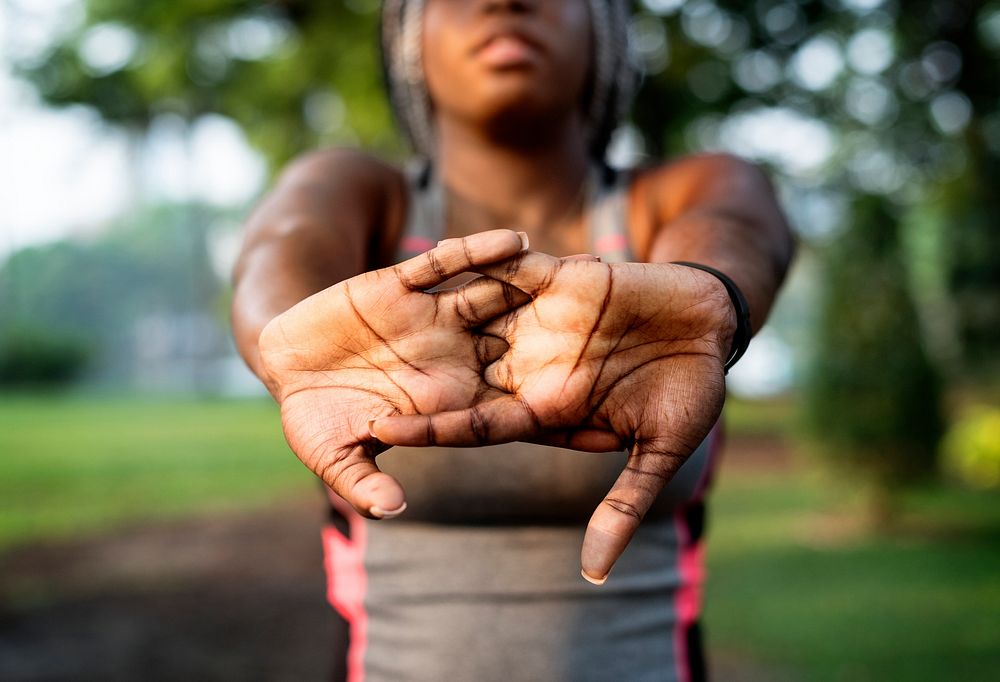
[971, 449]
[33, 357]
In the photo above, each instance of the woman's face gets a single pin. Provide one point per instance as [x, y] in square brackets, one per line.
[486, 59]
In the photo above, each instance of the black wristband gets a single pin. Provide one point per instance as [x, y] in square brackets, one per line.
[741, 337]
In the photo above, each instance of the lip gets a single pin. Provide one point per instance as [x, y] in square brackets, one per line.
[506, 48]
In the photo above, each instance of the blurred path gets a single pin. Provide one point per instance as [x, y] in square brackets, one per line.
[236, 597]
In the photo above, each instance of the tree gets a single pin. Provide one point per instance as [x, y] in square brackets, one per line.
[874, 402]
[75, 305]
[283, 70]
[901, 103]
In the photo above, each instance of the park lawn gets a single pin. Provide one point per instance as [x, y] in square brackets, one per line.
[796, 585]
[82, 465]
[799, 584]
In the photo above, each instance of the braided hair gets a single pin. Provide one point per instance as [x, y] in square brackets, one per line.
[612, 83]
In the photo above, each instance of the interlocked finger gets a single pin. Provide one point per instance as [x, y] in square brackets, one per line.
[481, 300]
[503, 325]
[529, 271]
[454, 256]
[489, 349]
[502, 420]
[497, 374]
[584, 440]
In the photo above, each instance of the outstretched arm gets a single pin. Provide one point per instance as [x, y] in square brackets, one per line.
[318, 226]
[337, 346]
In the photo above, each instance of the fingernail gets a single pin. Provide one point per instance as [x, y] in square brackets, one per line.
[380, 513]
[371, 429]
[593, 581]
[524, 240]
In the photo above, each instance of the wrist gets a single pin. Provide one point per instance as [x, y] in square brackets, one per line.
[270, 350]
[734, 314]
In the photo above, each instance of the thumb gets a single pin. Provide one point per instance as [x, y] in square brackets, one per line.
[648, 469]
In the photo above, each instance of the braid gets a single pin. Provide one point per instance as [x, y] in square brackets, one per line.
[627, 74]
[402, 33]
[614, 76]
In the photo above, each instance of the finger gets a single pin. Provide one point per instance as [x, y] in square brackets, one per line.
[502, 420]
[481, 300]
[499, 374]
[353, 475]
[529, 271]
[618, 516]
[489, 349]
[500, 326]
[453, 256]
[589, 257]
[585, 440]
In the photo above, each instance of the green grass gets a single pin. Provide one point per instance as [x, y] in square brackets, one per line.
[81, 465]
[796, 583]
[760, 418]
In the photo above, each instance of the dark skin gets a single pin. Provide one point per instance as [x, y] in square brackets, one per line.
[600, 356]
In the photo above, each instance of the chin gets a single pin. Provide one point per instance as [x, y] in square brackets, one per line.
[520, 99]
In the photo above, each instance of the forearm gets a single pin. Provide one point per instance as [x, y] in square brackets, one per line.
[756, 257]
[314, 229]
[724, 214]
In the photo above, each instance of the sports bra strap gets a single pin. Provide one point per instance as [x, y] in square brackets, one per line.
[425, 213]
[607, 215]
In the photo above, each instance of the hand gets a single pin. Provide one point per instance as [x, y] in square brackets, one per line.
[378, 344]
[634, 350]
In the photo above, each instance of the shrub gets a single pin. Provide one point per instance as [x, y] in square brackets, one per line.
[971, 448]
[33, 357]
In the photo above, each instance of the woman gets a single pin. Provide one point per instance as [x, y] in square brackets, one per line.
[510, 104]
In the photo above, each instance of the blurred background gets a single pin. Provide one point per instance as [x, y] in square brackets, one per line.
[154, 524]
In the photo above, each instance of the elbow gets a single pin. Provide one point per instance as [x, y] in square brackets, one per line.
[752, 181]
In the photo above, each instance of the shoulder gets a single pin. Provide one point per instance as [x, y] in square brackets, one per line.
[660, 193]
[340, 168]
[675, 185]
[358, 186]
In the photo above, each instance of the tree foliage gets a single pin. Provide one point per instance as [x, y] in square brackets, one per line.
[903, 97]
[875, 400]
[283, 70]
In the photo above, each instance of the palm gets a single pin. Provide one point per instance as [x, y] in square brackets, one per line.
[377, 345]
[632, 350]
[592, 356]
